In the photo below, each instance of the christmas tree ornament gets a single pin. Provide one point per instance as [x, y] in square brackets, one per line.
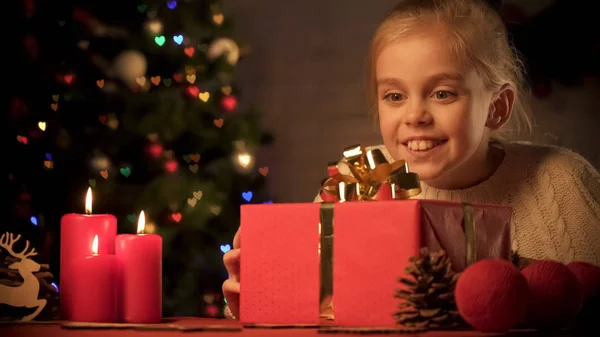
[224, 47]
[428, 293]
[556, 295]
[171, 166]
[154, 26]
[154, 149]
[128, 66]
[588, 276]
[218, 18]
[100, 162]
[229, 103]
[492, 295]
[25, 285]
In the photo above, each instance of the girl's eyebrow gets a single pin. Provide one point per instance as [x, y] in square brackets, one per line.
[432, 78]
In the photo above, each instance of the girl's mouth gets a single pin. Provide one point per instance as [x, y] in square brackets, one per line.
[423, 145]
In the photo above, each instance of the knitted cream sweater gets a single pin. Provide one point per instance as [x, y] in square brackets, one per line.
[555, 196]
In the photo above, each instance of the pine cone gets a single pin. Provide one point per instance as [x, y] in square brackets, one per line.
[515, 257]
[12, 278]
[428, 295]
[519, 261]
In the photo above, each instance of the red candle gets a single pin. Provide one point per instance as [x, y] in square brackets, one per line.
[140, 270]
[94, 288]
[77, 232]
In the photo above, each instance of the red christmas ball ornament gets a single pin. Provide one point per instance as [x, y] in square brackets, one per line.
[492, 295]
[171, 166]
[556, 296]
[229, 103]
[588, 276]
[155, 150]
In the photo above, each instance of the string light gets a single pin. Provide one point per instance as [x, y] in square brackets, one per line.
[244, 159]
[178, 39]
[22, 139]
[171, 4]
[247, 195]
[204, 96]
[160, 40]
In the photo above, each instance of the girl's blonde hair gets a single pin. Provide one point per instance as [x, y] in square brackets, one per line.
[477, 36]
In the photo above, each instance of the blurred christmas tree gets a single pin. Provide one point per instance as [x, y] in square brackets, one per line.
[138, 101]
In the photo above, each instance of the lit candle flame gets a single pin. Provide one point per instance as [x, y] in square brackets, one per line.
[88, 201]
[141, 223]
[95, 245]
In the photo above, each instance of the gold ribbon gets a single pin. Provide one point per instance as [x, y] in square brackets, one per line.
[470, 236]
[326, 259]
[371, 172]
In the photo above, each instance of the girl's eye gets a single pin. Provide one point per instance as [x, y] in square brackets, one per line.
[394, 97]
[442, 95]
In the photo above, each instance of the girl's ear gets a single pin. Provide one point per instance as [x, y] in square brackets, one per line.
[501, 107]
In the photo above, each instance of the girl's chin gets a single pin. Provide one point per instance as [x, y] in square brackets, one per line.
[427, 176]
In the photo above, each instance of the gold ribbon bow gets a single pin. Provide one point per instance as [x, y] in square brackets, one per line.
[371, 172]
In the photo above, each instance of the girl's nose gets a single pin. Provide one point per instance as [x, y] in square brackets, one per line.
[417, 114]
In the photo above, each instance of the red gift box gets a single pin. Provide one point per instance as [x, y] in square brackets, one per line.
[280, 264]
[372, 244]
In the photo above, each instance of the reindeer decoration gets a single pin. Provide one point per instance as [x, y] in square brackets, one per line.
[26, 294]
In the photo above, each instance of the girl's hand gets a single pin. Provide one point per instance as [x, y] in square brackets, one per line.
[231, 286]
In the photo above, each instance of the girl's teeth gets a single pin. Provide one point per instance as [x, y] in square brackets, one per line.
[422, 145]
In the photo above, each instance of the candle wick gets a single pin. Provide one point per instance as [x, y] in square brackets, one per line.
[87, 212]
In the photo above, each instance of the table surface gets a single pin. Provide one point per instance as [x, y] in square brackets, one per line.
[190, 325]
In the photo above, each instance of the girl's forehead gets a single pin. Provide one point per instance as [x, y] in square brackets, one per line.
[419, 54]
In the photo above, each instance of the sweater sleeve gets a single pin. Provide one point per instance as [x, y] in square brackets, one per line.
[576, 199]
